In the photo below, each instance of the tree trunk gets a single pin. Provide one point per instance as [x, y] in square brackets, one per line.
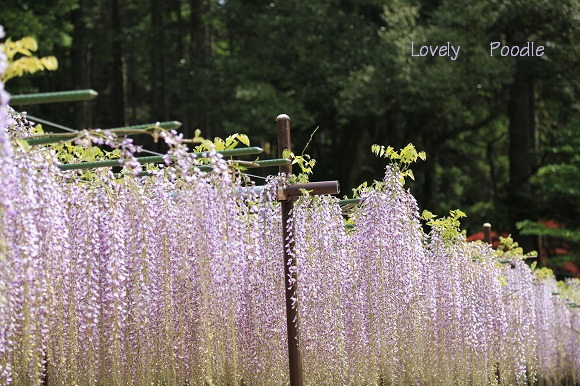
[430, 183]
[198, 116]
[197, 33]
[358, 156]
[179, 75]
[521, 131]
[156, 52]
[80, 62]
[119, 68]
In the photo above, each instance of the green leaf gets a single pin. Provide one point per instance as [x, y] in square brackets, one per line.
[23, 144]
[502, 281]
[37, 129]
[219, 144]
[426, 215]
[244, 139]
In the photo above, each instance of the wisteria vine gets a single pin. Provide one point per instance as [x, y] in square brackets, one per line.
[177, 279]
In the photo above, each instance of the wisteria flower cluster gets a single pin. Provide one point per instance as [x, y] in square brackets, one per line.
[169, 279]
[178, 279]
[388, 304]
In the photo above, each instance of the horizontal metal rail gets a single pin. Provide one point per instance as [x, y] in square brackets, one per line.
[252, 165]
[157, 159]
[270, 162]
[349, 201]
[53, 97]
[138, 129]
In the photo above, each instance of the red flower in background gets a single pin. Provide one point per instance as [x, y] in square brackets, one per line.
[548, 248]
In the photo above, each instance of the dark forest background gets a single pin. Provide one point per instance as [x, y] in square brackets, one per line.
[502, 134]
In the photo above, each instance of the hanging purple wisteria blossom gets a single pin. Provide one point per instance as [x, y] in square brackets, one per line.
[178, 279]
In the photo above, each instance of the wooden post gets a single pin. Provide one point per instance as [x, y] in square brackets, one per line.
[286, 195]
[292, 326]
[293, 191]
[487, 233]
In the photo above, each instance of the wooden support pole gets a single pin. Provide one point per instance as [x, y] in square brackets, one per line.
[292, 322]
[487, 233]
[286, 194]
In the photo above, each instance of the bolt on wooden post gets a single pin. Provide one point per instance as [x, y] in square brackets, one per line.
[286, 194]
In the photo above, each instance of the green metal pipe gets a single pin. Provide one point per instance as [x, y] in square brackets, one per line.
[53, 97]
[108, 163]
[169, 125]
[156, 159]
[138, 129]
[349, 201]
[256, 164]
[237, 152]
[271, 162]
